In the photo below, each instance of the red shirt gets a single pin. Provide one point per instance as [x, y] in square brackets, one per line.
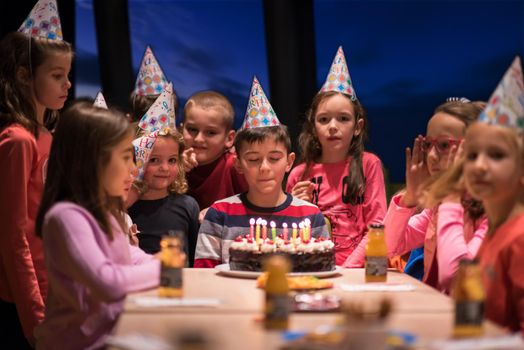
[218, 180]
[23, 279]
[501, 260]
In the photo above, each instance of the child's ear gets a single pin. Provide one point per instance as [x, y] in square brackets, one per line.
[230, 138]
[290, 161]
[23, 76]
[358, 127]
[236, 164]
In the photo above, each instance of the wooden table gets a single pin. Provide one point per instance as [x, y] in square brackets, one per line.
[236, 322]
[245, 330]
[241, 295]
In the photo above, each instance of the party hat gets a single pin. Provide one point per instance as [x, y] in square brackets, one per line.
[259, 112]
[143, 148]
[150, 79]
[43, 21]
[506, 105]
[161, 114]
[338, 78]
[100, 101]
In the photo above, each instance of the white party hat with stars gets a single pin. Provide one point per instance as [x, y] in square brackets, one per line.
[506, 105]
[150, 79]
[259, 112]
[43, 21]
[100, 101]
[161, 114]
[338, 78]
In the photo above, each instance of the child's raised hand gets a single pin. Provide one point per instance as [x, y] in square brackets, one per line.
[189, 159]
[133, 230]
[416, 173]
[303, 190]
[455, 154]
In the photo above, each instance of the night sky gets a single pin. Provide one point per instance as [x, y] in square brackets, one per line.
[404, 57]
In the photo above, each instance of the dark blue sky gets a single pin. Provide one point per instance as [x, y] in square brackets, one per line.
[405, 57]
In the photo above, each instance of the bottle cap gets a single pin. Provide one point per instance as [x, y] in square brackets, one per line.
[376, 226]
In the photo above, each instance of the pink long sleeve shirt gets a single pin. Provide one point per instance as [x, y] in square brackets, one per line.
[89, 277]
[448, 236]
[348, 222]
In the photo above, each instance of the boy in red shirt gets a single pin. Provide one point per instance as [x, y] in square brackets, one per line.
[208, 132]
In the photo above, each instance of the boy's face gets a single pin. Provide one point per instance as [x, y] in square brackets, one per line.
[264, 165]
[205, 131]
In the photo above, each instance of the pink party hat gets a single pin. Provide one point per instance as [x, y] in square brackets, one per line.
[143, 148]
[259, 112]
[150, 79]
[338, 78]
[506, 105]
[43, 21]
[161, 114]
[100, 101]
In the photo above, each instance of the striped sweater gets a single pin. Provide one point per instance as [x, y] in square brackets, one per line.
[228, 218]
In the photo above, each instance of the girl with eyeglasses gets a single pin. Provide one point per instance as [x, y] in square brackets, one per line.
[453, 229]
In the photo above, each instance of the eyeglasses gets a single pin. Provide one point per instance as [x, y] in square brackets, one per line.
[442, 144]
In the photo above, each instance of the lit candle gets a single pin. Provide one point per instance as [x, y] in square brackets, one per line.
[307, 228]
[264, 229]
[284, 227]
[301, 231]
[257, 231]
[273, 230]
[251, 228]
[294, 232]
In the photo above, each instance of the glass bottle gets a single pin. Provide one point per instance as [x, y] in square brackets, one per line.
[172, 258]
[469, 295]
[278, 303]
[376, 254]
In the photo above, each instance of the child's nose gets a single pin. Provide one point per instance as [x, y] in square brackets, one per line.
[480, 163]
[199, 136]
[164, 166]
[333, 125]
[432, 153]
[264, 165]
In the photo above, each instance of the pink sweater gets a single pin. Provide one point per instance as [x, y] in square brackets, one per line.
[348, 222]
[450, 230]
[89, 277]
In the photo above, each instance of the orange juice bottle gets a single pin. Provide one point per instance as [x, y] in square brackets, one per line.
[278, 303]
[172, 258]
[376, 254]
[469, 295]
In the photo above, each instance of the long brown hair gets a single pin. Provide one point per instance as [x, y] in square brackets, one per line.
[21, 52]
[84, 139]
[311, 149]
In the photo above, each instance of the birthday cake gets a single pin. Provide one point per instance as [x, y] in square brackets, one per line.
[311, 255]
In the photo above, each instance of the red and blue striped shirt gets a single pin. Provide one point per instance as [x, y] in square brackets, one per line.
[228, 218]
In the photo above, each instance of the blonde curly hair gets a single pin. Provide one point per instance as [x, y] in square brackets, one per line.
[179, 185]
